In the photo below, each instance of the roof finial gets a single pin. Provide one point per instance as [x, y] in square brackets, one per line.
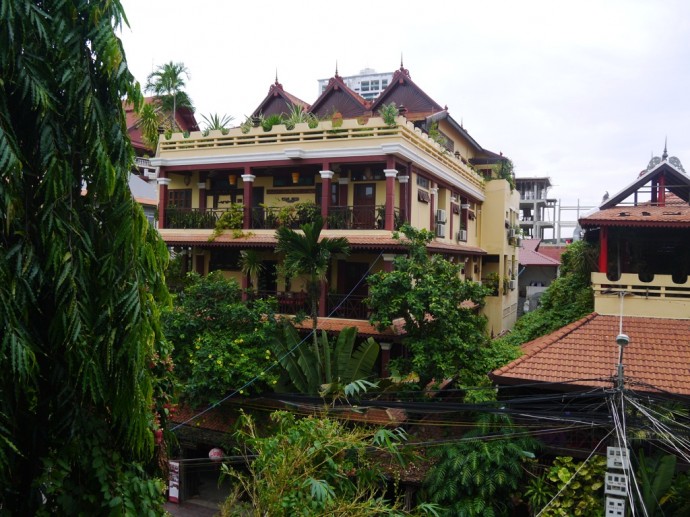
[276, 75]
[401, 61]
[665, 155]
[336, 68]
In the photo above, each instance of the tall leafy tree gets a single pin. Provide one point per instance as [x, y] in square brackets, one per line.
[306, 253]
[167, 83]
[445, 338]
[81, 270]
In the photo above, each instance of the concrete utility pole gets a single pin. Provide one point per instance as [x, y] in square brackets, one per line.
[618, 457]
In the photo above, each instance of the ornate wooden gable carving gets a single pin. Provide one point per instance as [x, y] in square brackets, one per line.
[339, 98]
[278, 102]
[404, 92]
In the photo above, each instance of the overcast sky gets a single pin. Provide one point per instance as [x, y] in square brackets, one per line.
[582, 92]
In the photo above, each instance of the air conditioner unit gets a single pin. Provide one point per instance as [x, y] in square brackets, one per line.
[150, 174]
[440, 230]
[512, 233]
[462, 235]
[512, 284]
[441, 216]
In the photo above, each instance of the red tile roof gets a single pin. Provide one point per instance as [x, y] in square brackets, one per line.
[384, 240]
[553, 252]
[585, 354]
[531, 255]
[364, 328]
[672, 215]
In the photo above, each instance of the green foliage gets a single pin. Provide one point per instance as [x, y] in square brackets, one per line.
[655, 477]
[505, 171]
[232, 219]
[268, 122]
[567, 299]
[475, 477]
[220, 342]
[389, 113]
[539, 492]
[149, 122]
[306, 253]
[313, 466]
[297, 115]
[214, 121]
[444, 339]
[579, 485]
[345, 365]
[81, 269]
[167, 83]
[436, 135]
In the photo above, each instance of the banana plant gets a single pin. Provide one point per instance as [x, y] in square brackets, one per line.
[346, 366]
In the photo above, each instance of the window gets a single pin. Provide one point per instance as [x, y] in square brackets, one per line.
[180, 198]
[365, 86]
[384, 84]
[375, 84]
[225, 259]
[422, 182]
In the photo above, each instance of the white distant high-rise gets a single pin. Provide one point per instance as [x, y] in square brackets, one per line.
[368, 83]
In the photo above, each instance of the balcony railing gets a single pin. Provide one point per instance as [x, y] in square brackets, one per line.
[344, 306]
[191, 218]
[367, 217]
[288, 302]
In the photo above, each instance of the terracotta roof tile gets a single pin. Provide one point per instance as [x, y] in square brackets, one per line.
[585, 354]
[364, 328]
[380, 240]
[673, 214]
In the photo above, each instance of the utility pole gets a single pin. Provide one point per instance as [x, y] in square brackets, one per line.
[618, 456]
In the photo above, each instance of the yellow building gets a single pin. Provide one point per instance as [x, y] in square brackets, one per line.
[364, 174]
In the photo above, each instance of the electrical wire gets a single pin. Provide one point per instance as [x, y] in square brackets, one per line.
[575, 474]
[275, 363]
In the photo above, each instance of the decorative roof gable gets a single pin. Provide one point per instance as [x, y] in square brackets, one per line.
[404, 92]
[338, 97]
[278, 102]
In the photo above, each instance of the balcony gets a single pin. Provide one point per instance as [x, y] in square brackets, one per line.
[191, 218]
[369, 217]
[339, 305]
[660, 297]
[303, 141]
[344, 306]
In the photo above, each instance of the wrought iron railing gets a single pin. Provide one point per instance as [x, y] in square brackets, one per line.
[191, 218]
[362, 217]
[344, 306]
[288, 302]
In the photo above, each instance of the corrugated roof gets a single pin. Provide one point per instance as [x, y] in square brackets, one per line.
[531, 255]
[585, 354]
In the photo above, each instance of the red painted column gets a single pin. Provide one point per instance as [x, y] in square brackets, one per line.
[390, 198]
[603, 249]
[163, 184]
[326, 177]
[404, 194]
[388, 259]
[385, 359]
[248, 180]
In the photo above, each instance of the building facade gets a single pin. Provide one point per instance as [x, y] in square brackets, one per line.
[537, 210]
[364, 175]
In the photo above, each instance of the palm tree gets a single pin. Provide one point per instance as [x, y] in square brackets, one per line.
[251, 266]
[167, 83]
[307, 254]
